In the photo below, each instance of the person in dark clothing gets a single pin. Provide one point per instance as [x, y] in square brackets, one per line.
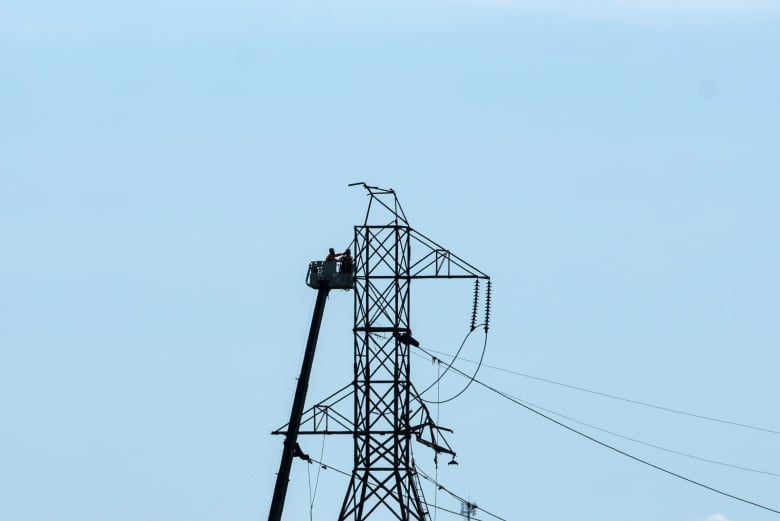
[298, 453]
[332, 255]
[346, 261]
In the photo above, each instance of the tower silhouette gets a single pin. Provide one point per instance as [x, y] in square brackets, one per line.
[387, 412]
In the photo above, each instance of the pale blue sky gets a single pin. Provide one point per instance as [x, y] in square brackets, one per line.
[167, 170]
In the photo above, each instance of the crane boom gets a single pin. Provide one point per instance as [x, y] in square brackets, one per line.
[283, 477]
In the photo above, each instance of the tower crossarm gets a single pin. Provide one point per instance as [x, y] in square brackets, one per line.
[433, 261]
[325, 417]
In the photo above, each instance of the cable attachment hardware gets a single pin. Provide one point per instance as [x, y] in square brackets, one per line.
[487, 306]
[474, 308]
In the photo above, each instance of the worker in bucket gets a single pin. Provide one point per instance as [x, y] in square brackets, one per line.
[346, 261]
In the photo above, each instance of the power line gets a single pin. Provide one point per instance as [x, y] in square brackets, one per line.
[635, 440]
[615, 449]
[613, 396]
[313, 494]
[459, 498]
[425, 476]
[328, 467]
[441, 508]
[641, 442]
[450, 511]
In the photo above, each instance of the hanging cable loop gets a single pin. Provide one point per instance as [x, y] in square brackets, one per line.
[455, 357]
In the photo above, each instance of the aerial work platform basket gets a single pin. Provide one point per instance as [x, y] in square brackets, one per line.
[331, 274]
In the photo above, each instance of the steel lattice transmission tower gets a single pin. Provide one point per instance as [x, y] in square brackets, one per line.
[388, 414]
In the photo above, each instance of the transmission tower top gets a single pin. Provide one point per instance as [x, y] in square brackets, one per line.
[432, 259]
[383, 198]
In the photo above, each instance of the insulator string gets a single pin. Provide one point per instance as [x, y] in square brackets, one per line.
[476, 304]
[487, 306]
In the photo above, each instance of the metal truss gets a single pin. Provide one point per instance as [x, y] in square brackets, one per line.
[387, 412]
